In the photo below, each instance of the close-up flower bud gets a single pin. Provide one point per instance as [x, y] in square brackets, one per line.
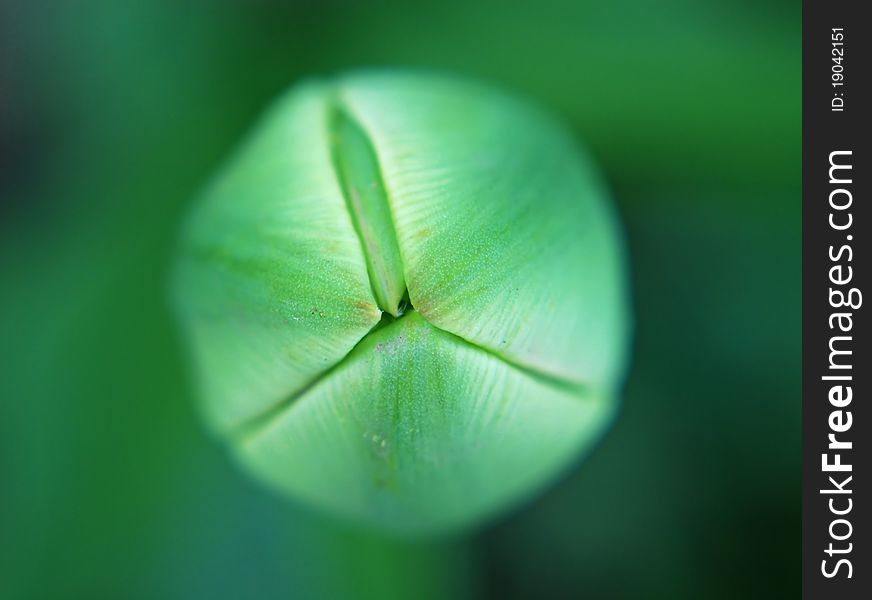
[405, 299]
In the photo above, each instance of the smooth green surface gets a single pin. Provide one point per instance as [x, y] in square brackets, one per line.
[115, 113]
[418, 431]
[484, 212]
[503, 225]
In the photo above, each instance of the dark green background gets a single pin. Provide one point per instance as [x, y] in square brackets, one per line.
[113, 113]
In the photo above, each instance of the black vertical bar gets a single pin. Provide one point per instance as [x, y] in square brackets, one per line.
[835, 255]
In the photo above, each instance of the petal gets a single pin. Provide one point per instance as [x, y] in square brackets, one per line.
[502, 226]
[419, 431]
[272, 285]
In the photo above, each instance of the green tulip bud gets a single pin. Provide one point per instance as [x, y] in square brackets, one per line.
[405, 300]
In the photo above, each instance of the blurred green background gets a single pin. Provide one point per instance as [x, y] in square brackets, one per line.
[112, 114]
